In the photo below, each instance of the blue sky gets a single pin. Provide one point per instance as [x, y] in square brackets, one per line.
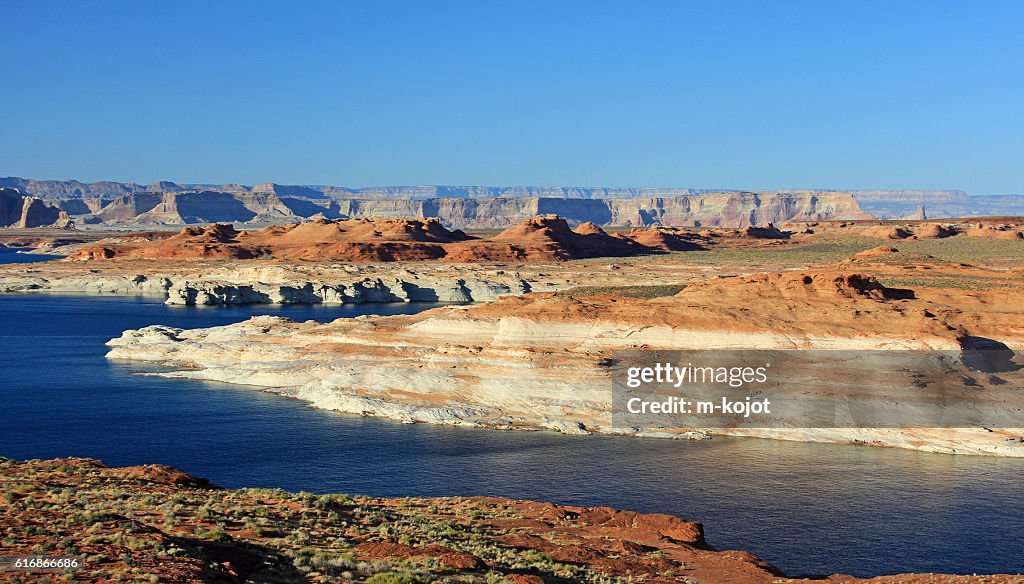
[704, 94]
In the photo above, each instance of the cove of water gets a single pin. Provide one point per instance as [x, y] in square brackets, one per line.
[15, 255]
[807, 508]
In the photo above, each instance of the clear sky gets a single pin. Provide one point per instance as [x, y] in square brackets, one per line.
[759, 94]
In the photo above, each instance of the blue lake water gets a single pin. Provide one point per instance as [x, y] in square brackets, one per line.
[807, 508]
[14, 255]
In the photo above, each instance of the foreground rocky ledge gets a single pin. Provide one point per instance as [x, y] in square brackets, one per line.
[540, 361]
[156, 523]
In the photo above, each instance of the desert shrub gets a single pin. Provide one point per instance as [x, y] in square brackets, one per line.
[100, 517]
[396, 578]
[651, 291]
[216, 535]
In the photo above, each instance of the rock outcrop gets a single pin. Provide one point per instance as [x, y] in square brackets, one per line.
[934, 231]
[18, 210]
[552, 236]
[667, 238]
[880, 251]
[769, 231]
[262, 283]
[541, 360]
[546, 238]
[988, 227]
[996, 230]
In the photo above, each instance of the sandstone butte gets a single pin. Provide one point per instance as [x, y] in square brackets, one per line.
[545, 238]
[157, 523]
[18, 210]
[541, 360]
[542, 238]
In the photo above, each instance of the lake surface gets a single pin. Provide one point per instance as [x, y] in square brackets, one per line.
[14, 255]
[807, 508]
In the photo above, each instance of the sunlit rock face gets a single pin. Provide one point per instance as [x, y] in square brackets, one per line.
[541, 360]
[19, 210]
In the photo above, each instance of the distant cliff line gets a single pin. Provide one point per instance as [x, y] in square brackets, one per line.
[139, 210]
[168, 203]
[69, 189]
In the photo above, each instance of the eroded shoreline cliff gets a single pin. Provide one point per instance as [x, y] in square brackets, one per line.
[540, 361]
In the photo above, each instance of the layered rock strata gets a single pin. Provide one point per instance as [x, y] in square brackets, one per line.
[492, 209]
[286, 284]
[18, 210]
[542, 361]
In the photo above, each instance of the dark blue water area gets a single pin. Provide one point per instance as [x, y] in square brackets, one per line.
[14, 255]
[807, 508]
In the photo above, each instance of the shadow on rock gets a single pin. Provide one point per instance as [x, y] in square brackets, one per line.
[988, 355]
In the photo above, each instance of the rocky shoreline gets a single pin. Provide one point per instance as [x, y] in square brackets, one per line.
[210, 282]
[532, 358]
[283, 284]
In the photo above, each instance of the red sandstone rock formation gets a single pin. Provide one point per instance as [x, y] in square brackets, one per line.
[667, 238]
[551, 235]
[767, 232]
[546, 238]
[879, 251]
[996, 231]
[934, 231]
[989, 227]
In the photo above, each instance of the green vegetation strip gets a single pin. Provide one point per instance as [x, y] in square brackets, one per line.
[652, 291]
[951, 249]
[943, 282]
[819, 252]
[965, 249]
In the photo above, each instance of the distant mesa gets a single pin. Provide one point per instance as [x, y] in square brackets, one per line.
[133, 205]
[19, 210]
[273, 207]
[936, 204]
[167, 203]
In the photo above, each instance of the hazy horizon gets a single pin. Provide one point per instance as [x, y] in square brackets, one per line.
[505, 186]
